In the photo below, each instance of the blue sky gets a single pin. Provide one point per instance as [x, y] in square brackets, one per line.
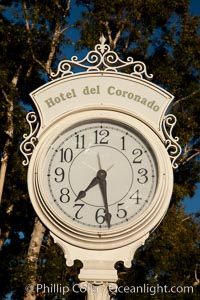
[195, 7]
[192, 205]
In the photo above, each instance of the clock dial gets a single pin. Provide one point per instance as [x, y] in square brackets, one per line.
[99, 174]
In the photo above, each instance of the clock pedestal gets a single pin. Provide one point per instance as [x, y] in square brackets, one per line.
[98, 275]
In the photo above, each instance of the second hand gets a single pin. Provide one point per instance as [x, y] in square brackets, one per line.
[100, 165]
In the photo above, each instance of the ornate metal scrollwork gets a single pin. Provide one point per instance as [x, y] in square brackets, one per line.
[172, 146]
[101, 59]
[30, 140]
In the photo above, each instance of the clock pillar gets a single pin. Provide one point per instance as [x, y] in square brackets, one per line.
[98, 282]
[98, 278]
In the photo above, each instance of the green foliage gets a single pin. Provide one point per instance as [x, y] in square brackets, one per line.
[138, 20]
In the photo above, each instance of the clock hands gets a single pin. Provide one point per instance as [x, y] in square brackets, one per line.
[103, 186]
[99, 179]
[99, 161]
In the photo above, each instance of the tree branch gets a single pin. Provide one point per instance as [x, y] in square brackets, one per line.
[109, 33]
[117, 37]
[55, 39]
[191, 157]
[57, 33]
[187, 97]
[185, 157]
[66, 28]
[113, 42]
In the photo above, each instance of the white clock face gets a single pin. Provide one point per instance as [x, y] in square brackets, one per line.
[99, 174]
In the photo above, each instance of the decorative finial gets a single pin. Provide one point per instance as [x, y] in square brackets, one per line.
[102, 39]
[102, 45]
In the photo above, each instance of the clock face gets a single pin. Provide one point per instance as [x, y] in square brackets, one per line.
[99, 174]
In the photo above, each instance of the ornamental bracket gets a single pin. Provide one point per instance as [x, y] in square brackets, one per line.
[30, 140]
[171, 143]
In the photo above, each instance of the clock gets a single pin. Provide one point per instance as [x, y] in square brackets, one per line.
[99, 176]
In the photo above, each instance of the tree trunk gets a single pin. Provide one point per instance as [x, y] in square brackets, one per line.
[4, 160]
[6, 151]
[39, 229]
[4, 163]
[32, 258]
[9, 131]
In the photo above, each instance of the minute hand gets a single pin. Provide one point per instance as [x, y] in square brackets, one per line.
[103, 187]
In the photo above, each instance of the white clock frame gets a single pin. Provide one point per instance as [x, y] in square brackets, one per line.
[117, 237]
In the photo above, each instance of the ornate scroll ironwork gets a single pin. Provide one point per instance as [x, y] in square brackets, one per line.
[101, 59]
[30, 140]
[172, 146]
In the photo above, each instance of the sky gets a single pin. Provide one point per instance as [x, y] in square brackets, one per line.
[192, 205]
[195, 7]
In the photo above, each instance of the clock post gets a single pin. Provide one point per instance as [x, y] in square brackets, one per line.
[100, 157]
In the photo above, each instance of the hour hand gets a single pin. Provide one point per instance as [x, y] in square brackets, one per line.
[82, 194]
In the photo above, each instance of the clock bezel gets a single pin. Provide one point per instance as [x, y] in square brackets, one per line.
[123, 234]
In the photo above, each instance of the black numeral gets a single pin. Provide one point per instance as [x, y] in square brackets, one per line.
[101, 136]
[60, 173]
[78, 211]
[100, 215]
[66, 155]
[121, 212]
[143, 176]
[80, 141]
[64, 197]
[137, 153]
[123, 142]
[136, 197]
